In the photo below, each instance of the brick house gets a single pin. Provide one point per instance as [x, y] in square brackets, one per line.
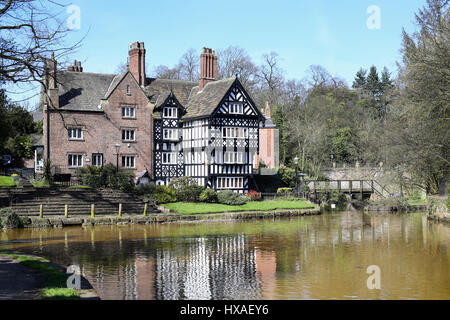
[208, 130]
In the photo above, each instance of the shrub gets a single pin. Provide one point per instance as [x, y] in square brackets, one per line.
[187, 189]
[144, 189]
[287, 176]
[9, 219]
[254, 195]
[231, 198]
[285, 190]
[208, 195]
[106, 177]
[162, 194]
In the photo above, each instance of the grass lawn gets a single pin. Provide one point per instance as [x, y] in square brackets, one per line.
[7, 182]
[202, 208]
[55, 279]
[417, 202]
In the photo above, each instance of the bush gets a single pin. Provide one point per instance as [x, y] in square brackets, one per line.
[187, 189]
[106, 177]
[144, 189]
[285, 191]
[231, 198]
[287, 176]
[254, 195]
[208, 195]
[9, 219]
[161, 195]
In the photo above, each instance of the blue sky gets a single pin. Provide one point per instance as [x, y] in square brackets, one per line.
[326, 32]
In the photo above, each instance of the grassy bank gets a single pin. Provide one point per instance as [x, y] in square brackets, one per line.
[7, 182]
[204, 208]
[55, 280]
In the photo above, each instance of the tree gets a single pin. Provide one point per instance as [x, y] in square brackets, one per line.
[418, 131]
[30, 31]
[235, 61]
[189, 65]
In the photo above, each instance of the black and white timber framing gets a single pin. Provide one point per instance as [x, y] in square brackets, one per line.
[215, 145]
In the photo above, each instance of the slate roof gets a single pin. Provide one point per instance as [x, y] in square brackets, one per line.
[37, 140]
[82, 91]
[204, 103]
[180, 88]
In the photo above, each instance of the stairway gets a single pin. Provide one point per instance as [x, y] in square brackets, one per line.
[27, 202]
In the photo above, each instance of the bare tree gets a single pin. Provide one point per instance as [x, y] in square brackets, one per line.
[164, 72]
[235, 61]
[189, 65]
[271, 75]
[30, 31]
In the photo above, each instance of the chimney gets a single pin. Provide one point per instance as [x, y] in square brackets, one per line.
[76, 67]
[267, 111]
[52, 89]
[137, 62]
[208, 67]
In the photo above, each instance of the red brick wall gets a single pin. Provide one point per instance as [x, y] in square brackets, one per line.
[101, 131]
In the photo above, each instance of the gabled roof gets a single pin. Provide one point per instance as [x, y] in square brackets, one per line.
[204, 103]
[82, 91]
[156, 87]
[116, 81]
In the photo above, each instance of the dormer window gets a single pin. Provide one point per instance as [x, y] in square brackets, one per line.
[236, 108]
[170, 113]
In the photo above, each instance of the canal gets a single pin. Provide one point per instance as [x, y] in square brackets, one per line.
[318, 257]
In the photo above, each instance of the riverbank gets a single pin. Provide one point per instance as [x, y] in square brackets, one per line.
[25, 277]
[438, 209]
[61, 221]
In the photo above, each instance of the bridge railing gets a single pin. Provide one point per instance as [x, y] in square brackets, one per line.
[348, 186]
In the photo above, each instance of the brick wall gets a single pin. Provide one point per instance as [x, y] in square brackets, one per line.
[102, 131]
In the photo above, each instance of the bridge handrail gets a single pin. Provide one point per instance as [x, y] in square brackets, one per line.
[376, 187]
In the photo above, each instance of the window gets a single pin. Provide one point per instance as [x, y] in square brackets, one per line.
[128, 162]
[128, 135]
[75, 160]
[236, 108]
[169, 158]
[235, 133]
[233, 157]
[128, 112]
[97, 160]
[170, 134]
[171, 113]
[230, 183]
[75, 134]
[128, 89]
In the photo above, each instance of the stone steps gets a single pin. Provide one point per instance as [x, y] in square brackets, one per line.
[27, 203]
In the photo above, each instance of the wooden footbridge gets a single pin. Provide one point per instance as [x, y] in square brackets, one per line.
[352, 187]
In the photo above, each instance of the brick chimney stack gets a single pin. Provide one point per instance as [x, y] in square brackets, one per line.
[208, 67]
[137, 62]
[76, 67]
[51, 81]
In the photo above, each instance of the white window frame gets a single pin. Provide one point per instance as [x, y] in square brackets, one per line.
[129, 135]
[79, 160]
[235, 133]
[236, 108]
[170, 112]
[169, 158]
[172, 134]
[76, 130]
[230, 157]
[224, 183]
[126, 162]
[97, 155]
[128, 112]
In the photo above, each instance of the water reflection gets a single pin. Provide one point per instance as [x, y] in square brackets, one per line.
[322, 257]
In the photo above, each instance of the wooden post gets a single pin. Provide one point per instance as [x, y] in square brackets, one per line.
[41, 211]
[66, 211]
[145, 209]
[120, 209]
[362, 189]
[93, 211]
